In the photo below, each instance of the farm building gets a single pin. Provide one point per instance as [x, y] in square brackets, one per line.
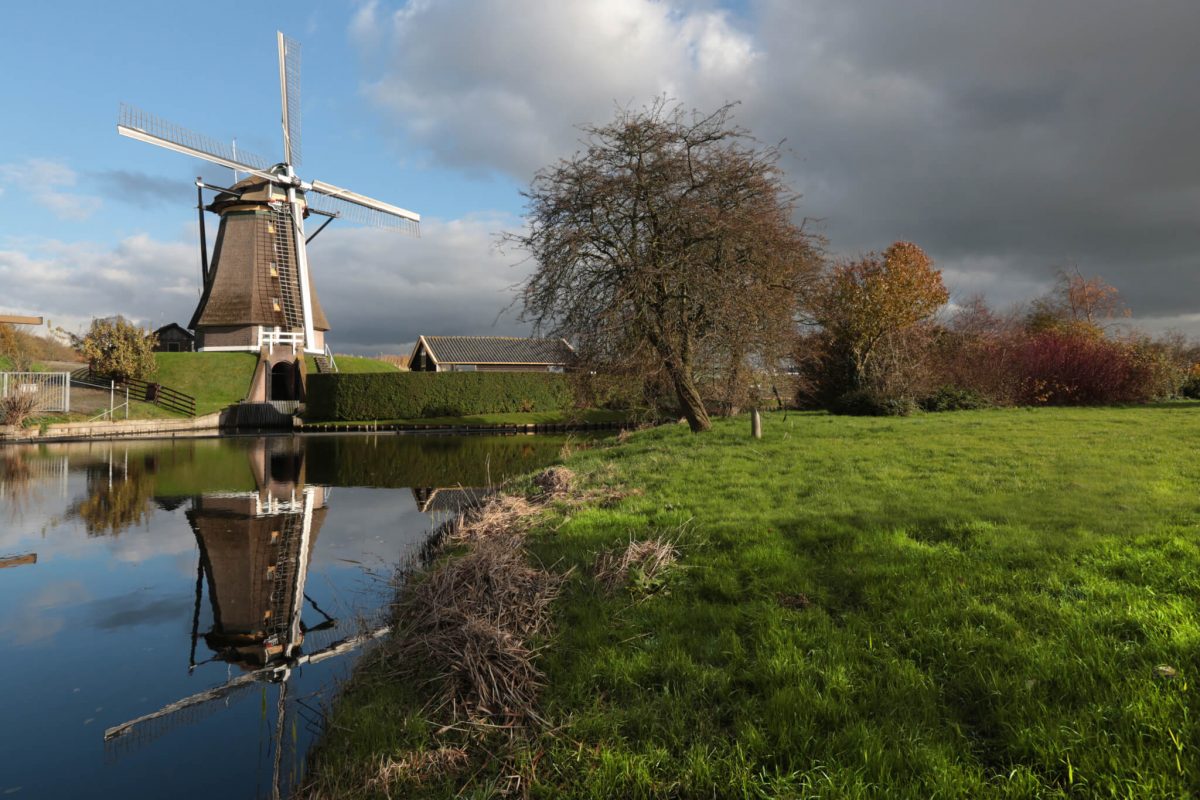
[174, 338]
[490, 354]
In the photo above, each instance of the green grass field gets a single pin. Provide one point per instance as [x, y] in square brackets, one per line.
[979, 604]
[354, 364]
[214, 379]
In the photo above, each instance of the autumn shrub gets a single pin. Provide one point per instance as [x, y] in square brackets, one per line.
[117, 348]
[1059, 369]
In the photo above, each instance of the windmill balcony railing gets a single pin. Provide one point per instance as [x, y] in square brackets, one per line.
[271, 338]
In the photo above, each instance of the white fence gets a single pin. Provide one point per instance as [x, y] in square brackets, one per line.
[52, 389]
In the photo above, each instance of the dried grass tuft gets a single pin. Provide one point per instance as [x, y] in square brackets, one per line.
[16, 408]
[648, 560]
[417, 766]
[472, 619]
[554, 482]
[499, 515]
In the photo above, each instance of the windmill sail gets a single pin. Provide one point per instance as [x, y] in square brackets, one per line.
[289, 88]
[361, 209]
[146, 127]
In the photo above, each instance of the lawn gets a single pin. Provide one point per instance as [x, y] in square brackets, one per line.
[216, 380]
[353, 364]
[978, 604]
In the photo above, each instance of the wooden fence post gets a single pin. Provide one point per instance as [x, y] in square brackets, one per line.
[755, 424]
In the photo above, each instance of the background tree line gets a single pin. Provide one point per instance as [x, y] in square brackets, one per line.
[667, 251]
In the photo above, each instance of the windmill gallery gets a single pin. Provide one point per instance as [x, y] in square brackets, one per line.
[257, 293]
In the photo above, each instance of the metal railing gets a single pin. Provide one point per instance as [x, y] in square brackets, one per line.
[144, 391]
[330, 359]
[52, 390]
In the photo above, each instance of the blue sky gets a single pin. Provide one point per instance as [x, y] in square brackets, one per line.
[215, 73]
[1008, 139]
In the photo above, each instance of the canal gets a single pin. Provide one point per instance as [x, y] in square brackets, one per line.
[175, 615]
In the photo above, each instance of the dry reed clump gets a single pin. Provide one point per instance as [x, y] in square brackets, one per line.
[417, 766]
[644, 562]
[472, 619]
[499, 515]
[16, 408]
[554, 482]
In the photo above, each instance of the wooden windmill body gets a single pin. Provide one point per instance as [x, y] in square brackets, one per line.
[257, 295]
[253, 285]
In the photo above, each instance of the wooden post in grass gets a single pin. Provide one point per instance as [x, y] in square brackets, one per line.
[755, 424]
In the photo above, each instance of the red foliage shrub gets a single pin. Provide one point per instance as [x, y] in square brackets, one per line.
[1057, 368]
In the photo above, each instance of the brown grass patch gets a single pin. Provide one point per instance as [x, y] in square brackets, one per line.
[554, 482]
[417, 766]
[499, 515]
[471, 619]
[646, 560]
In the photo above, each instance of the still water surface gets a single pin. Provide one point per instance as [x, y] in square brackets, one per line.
[175, 614]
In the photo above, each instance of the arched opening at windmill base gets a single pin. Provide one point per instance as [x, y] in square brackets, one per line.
[283, 381]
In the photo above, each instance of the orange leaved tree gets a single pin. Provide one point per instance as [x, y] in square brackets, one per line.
[864, 301]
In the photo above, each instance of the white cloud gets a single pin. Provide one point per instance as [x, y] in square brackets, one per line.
[144, 279]
[1002, 137]
[50, 184]
[380, 290]
[501, 86]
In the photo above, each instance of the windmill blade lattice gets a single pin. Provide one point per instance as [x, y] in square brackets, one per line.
[342, 206]
[139, 121]
[289, 85]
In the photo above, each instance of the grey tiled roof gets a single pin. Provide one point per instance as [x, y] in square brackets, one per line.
[498, 350]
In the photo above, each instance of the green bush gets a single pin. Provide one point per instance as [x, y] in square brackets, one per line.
[413, 395]
[866, 403]
[952, 398]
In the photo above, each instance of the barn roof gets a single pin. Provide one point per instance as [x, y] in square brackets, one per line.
[496, 350]
[177, 327]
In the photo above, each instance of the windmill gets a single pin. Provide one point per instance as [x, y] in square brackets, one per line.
[257, 293]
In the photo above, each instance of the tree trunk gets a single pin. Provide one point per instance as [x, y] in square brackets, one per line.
[690, 403]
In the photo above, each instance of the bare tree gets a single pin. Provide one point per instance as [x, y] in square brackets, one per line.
[670, 232]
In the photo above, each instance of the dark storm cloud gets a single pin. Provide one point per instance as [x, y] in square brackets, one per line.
[1030, 134]
[1007, 138]
[139, 188]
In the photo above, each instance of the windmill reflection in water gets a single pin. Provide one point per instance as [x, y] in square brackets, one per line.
[255, 548]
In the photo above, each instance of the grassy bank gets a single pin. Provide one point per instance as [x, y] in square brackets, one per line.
[354, 364]
[979, 604]
[216, 380]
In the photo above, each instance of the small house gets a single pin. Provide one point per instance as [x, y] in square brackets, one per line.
[490, 354]
[174, 339]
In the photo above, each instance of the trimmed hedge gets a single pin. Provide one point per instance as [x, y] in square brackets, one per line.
[413, 395]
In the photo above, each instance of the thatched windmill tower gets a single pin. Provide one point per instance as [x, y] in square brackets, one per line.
[257, 295]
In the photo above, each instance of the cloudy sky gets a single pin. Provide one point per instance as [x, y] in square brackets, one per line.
[1007, 138]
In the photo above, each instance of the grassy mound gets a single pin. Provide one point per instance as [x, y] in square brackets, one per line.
[354, 364]
[214, 379]
[983, 604]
